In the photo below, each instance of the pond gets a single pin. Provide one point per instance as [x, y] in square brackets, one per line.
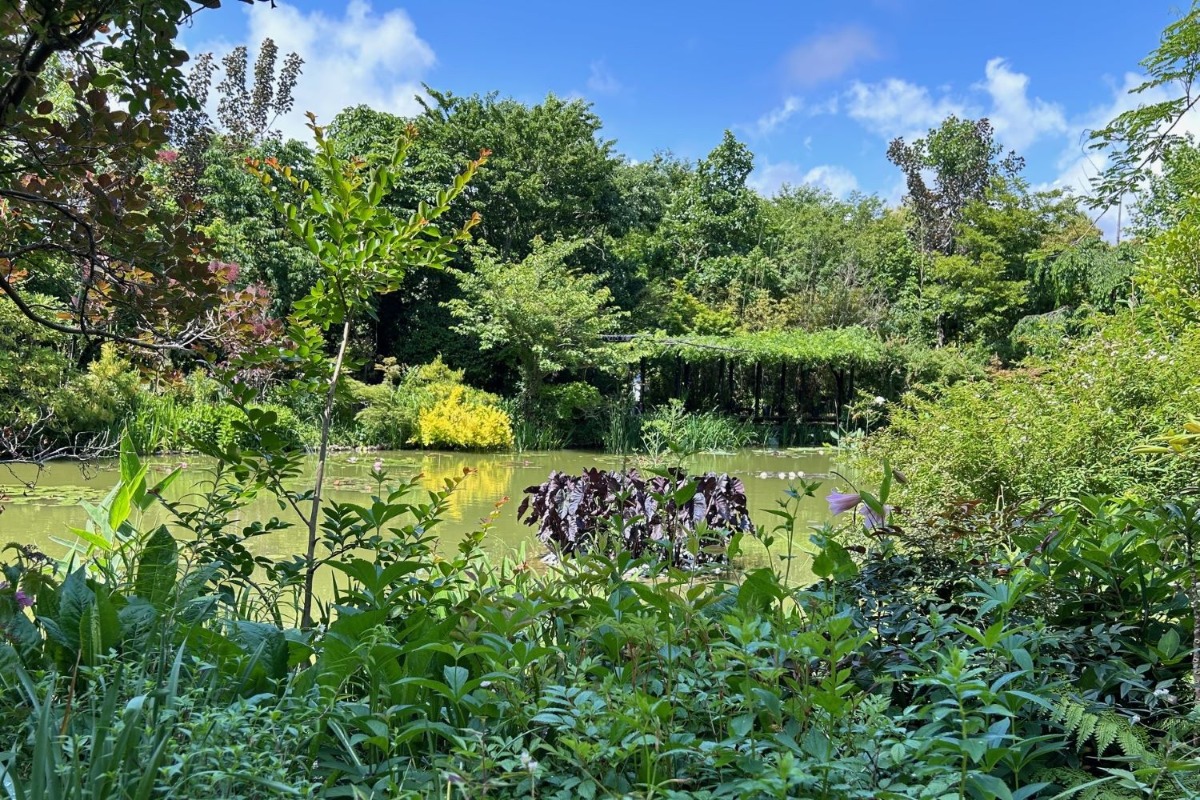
[44, 515]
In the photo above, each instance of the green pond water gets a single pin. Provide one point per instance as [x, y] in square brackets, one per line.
[43, 515]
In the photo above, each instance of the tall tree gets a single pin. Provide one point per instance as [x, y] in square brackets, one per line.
[538, 312]
[72, 190]
[964, 160]
[1134, 141]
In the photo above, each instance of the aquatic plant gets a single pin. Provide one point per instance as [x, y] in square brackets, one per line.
[683, 520]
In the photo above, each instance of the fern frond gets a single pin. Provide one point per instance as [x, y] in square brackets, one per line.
[1103, 728]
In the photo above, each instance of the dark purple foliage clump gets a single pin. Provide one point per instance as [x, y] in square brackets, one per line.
[689, 518]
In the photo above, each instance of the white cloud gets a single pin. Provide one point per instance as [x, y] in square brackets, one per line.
[830, 106]
[1018, 120]
[767, 123]
[895, 107]
[829, 55]
[792, 105]
[601, 80]
[836, 180]
[771, 177]
[362, 57]
[1078, 164]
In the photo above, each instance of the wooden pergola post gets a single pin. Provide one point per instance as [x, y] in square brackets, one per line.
[758, 374]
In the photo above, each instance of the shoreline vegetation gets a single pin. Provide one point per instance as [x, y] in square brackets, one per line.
[1004, 603]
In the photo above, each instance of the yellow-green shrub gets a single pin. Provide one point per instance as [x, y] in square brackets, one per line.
[464, 419]
[100, 398]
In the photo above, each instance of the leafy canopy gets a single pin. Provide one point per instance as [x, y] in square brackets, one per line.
[541, 312]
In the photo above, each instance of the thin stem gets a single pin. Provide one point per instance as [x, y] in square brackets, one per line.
[314, 516]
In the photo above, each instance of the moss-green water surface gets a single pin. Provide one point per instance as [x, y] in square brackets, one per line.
[43, 515]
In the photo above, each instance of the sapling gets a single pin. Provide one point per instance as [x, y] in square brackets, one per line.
[363, 250]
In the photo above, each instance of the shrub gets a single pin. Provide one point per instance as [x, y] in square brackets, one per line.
[624, 512]
[431, 406]
[205, 426]
[1052, 427]
[693, 432]
[33, 362]
[575, 410]
[464, 419]
[98, 400]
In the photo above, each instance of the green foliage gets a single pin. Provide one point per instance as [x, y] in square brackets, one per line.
[964, 160]
[33, 362]
[1099, 730]
[157, 667]
[575, 410]
[839, 348]
[1137, 139]
[541, 314]
[99, 399]
[1051, 428]
[671, 427]
[1168, 277]
[245, 226]
[428, 405]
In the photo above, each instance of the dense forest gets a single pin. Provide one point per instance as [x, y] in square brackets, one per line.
[783, 310]
[1002, 602]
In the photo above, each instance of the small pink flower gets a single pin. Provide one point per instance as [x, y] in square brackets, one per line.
[377, 466]
[841, 502]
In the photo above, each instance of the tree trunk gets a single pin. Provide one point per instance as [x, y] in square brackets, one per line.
[839, 381]
[314, 517]
[1194, 597]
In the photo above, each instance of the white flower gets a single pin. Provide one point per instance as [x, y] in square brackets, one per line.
[879, 400]
[528, 763]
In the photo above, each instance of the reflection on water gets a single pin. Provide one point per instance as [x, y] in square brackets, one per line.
[44, 515]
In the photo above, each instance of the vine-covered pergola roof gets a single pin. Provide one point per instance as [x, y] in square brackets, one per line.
[837, 348]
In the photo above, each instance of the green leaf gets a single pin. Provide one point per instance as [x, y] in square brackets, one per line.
[93, 539]
[158, 568]
[989, 786]
[99, 629]
[74, 601]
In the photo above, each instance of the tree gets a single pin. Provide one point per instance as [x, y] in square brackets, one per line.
[73, 195]
[244, 226]
[1163, 199]
[1137, 139]
[714, 214]
[964, 161]
[363, 250]
[551, 174]
[247, 109]
[963, 158]
[831, 262]
[538, 312]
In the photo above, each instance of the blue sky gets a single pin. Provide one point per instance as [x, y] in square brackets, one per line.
[816, 88]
